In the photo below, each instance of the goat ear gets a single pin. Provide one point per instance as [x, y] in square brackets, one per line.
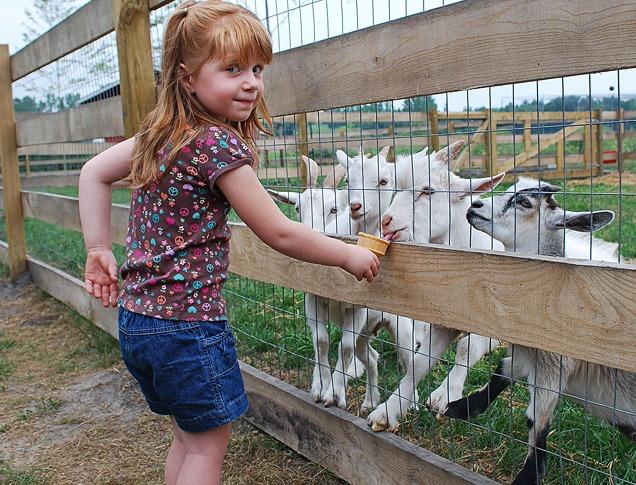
[423, 152]
[477, 185]
[584, 221]
[312, 170]
[343, 158]
[361, 152]
[384, 152]
[546, 187]
[447, 154]
[333, 178]
[284, 197]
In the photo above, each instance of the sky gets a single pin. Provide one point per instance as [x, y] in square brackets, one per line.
[12, 23]
[323, 18]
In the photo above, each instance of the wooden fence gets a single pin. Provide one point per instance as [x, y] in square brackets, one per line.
[549, 303]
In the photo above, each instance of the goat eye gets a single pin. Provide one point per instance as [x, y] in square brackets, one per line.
[424, 191]
[384, 182]
[526, 203]
[297, 209]
[333, 210]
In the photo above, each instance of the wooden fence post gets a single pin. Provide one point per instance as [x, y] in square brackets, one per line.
[587, 138]
[620, 116]
[560, 158]
[598, 114]
[527, 135]
[493, 144]
[487, 140]
[303, 145]
[13, 214]
[134, 52]
[434, 130]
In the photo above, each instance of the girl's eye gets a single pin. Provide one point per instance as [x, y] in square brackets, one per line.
[233, 69]
[525, 203]
[258, 69]
[384, 182]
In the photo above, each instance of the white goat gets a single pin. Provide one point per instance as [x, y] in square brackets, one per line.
[371, 183]
[326, 209]
[430, 206]
[527, 219]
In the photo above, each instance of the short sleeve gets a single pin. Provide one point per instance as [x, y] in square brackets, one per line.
[219, 151]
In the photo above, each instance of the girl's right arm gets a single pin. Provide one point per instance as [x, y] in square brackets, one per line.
[257, 209]
[95, 200]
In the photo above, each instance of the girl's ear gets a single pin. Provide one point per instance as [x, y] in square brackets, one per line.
[186, 78]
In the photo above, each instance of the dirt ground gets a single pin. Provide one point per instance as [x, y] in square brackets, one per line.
[71, 414]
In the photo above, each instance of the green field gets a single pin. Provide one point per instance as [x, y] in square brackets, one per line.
[273, 336]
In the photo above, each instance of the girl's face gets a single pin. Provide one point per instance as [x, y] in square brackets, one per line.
[228, 89]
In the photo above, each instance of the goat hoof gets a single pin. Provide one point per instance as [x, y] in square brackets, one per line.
[378, 427]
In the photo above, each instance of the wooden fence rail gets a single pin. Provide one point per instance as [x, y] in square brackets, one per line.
[533, 301]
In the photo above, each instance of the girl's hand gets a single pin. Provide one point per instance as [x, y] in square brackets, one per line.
[361, 263]
[100, 276]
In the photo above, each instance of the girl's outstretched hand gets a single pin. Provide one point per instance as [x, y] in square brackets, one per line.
[361, 263]
[100, 276]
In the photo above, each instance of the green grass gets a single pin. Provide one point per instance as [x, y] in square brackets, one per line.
[10, 476]
[5, 367]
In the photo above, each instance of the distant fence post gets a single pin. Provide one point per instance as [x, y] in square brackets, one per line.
[620, 116]
[433, 129]
[598, 114]
[494, 161]
[527, 135]
[13, 214]
[303, 145]
[134, 52]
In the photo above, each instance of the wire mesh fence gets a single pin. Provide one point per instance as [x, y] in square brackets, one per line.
[444, 151]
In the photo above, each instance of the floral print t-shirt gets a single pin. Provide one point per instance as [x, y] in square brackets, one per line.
[178, 238]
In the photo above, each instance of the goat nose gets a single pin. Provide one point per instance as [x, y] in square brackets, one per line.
[477, 204]
[386, 220]
[355, 206]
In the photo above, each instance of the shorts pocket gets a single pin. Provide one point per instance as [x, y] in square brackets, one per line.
[225, 371]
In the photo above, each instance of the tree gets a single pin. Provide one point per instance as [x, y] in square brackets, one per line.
[44, 15]
[28, 104]
[47, 96]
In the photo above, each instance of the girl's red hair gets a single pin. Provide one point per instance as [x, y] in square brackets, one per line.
[196, 33]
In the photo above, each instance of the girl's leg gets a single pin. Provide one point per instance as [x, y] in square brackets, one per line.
[175, 455]
[197, 458]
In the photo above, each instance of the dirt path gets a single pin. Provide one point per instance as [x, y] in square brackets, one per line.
[71, 414]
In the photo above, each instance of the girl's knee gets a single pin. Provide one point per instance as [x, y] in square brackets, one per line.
[210, 442]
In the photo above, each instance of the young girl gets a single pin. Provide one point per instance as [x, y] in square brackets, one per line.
[193, 160]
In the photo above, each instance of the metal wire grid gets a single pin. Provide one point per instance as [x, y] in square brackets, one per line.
[88, 74]
[583, 450]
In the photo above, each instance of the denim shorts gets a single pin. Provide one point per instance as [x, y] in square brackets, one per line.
[188, 370]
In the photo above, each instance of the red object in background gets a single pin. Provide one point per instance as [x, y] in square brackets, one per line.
[609, 156]
[114, 139]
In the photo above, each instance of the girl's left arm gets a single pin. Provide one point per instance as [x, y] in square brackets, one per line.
[95, 200]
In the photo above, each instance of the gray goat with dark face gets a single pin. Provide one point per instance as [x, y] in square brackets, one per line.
[527, 219]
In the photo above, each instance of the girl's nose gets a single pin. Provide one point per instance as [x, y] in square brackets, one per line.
[250, 82]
